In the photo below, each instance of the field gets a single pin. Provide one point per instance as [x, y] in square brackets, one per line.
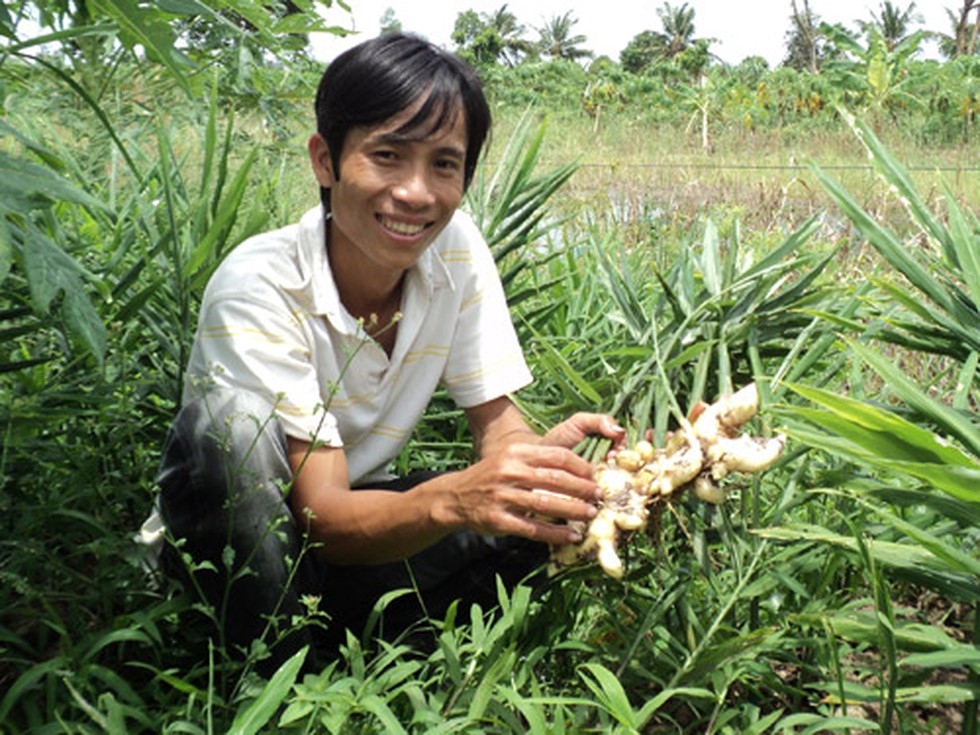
[834, 262]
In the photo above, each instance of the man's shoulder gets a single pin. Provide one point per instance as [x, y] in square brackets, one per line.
[274, 259]
[461, 228]
[461, 241]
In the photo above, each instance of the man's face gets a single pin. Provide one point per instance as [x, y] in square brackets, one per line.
[396, 191]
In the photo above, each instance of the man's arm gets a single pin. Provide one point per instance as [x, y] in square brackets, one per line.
[494, 496]
[497, 423]
[355, 527]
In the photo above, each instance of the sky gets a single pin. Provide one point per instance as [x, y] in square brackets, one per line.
[740, 28]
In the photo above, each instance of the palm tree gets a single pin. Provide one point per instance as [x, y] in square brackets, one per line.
[557, 41]
[676, 44]
[963, 42]
[803, 40]
[678, 28]
[489, 37]
[515, 46]
[643, 51]
[893, 24]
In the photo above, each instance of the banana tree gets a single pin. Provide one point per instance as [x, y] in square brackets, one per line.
[876, 74]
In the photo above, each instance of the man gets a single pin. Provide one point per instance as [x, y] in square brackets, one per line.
[318, 349]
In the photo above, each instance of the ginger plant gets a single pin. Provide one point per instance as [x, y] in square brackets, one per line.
[708, 446]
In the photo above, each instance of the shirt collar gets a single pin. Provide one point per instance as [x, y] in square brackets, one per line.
[427, 275]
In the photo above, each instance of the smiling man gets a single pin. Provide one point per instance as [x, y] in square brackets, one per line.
[319, 347]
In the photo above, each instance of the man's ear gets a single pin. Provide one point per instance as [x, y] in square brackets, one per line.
[320, 160]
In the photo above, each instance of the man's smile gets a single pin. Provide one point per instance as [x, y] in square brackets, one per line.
[401, 228]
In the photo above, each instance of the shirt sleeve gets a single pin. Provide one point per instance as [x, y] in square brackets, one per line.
[255, 346]
[485, 360]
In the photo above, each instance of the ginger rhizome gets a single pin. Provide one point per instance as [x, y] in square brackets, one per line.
[708, 446]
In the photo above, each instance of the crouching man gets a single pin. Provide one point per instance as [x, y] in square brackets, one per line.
[319, 347]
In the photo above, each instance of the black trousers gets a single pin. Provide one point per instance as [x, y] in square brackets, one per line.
[224, 478]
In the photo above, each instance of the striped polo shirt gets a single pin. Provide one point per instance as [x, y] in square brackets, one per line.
[272, 322]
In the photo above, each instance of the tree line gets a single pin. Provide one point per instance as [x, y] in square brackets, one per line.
[672, 74]
[498, 37]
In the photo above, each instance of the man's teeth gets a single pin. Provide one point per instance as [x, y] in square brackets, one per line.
[402, 228]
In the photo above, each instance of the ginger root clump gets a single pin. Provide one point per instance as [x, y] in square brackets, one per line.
[707, 448]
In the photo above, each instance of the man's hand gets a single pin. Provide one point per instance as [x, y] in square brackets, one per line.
[570, 432]
[504, 493]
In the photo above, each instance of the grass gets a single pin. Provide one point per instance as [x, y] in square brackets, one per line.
[761, 175]
[836, 593]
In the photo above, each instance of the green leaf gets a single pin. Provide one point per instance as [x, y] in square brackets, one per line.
[509, 204]
[875, 433]
[297, 23]
[28, 680]
[147, 26]
[879, 450]
[898, 438]
[50, 271]
[6, 248]
[960, 482]
[821, 724]
[898, 176]
[185, 7]
[651, 707]
[943, 326]
[85, 322]
[377, 706]
[965, 241]
[561, 369]
[913, 562]
[711, 259]
[261, 710]
[957, 655]
[862, 627]
[485, 690]
[937, 694]
[609, 693]
[25, 186]
[955, 558]
[965, 514]
[886, 243]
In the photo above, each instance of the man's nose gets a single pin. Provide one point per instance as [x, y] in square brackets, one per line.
[414, 188]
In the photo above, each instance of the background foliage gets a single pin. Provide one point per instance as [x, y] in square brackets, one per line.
[837, 593]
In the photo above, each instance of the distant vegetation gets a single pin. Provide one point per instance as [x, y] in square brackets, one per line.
[664, 236]
[671, 75]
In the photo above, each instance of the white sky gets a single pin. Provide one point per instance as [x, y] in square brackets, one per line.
[742, 27]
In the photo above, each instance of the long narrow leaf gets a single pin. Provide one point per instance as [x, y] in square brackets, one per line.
[898, 176]
[880, 429]
[965, 241]
[609, 693]
[888, 245]
[944, 327]
[912, 562]
[261, 710]
[147, 26]
[956, 559]
[950, 420]
[958, 481]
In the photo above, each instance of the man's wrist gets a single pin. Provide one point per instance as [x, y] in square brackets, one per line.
[523, 436]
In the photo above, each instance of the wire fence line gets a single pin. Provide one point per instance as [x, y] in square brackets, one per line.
[769, 167]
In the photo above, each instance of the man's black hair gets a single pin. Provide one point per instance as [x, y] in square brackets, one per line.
[382, 77]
